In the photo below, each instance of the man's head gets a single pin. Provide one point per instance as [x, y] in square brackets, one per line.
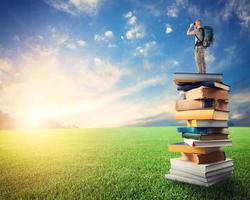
[197, 23]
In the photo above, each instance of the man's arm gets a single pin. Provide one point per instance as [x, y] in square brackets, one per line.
[190, 31]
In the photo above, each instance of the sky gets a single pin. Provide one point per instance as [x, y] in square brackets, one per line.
[107, 63]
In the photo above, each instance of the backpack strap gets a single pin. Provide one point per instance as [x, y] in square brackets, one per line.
[199, 42]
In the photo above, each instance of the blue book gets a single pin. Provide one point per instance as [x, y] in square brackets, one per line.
[202, 130]
[211, 84]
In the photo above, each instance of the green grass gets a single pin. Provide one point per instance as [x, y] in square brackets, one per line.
[122, 163]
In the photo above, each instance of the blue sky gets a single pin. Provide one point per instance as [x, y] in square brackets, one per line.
[101, 63]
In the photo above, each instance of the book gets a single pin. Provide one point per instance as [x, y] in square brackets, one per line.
[207, 123]
[189, 178]
[211, 84]
[206, 93]
[185, 148]
[202, 130]
[225, 169]
[207, 143]
[209, 114]
[180, 78]
[178, 163]
[205, 137]
[204, 158]
[198, 104]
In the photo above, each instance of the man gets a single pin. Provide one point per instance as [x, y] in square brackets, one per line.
[199, 51]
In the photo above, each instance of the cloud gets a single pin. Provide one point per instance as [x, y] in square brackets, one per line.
[5, 65]
[106, 36]
[174, 9]
[172, 12]
[239, 8]
[91, 94]
[240, 107]
[168, 29]
[109, 34]
[81, 43]
[145, 49]
[229, 54]
[59, 37]
[135, 30]
[75, 7]
[209, 57]
[63, 38]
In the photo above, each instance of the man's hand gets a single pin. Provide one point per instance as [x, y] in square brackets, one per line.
[189, 31]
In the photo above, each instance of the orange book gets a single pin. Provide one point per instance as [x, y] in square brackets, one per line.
[207, 114]
[205, 158]
[206, 93]
[185, 148]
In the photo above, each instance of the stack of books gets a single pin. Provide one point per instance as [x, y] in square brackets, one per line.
[203, 104]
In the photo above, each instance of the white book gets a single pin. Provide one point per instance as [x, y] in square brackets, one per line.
[206, 179]
[207, 143]
[197, 77]
[206, 174]
[194, 181]
[201, 168]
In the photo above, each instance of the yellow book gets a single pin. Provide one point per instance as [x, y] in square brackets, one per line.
[201, 115]
[185, 148]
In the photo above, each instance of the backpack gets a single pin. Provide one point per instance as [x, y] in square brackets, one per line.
[208, 36]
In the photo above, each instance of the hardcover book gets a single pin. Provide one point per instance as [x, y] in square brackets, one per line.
[204, 158]
[209, 114]
[207, 123]
[180, 78]
[207, 143]
[206, 93]
[202, 130]
[200, 104]
[211, 84]
[218, 136]
[185, 148]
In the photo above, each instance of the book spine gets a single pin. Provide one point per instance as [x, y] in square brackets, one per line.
[191, 136]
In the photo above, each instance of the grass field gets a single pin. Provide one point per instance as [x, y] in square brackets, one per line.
[122, 163]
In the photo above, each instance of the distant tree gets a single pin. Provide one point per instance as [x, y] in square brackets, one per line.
[50, 123]
[6, 122]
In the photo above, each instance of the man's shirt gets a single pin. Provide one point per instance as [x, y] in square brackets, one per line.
[198, 33]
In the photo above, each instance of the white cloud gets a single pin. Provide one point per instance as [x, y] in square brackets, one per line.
[128, 14]
[63, 38]
[75, 7]
[81, 43]
[132, 20]
[91, 93]
[109, 34]
[106, 36]
[146, 49]
[135, 30]
[229, 57]
[239, 8]
[71, 45]
[168, 29]
[110, 45]
[174, 9]
[5, 65]
[59, 37]
[209, 57]
[172, 12]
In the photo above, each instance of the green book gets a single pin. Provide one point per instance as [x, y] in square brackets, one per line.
[218, 136]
